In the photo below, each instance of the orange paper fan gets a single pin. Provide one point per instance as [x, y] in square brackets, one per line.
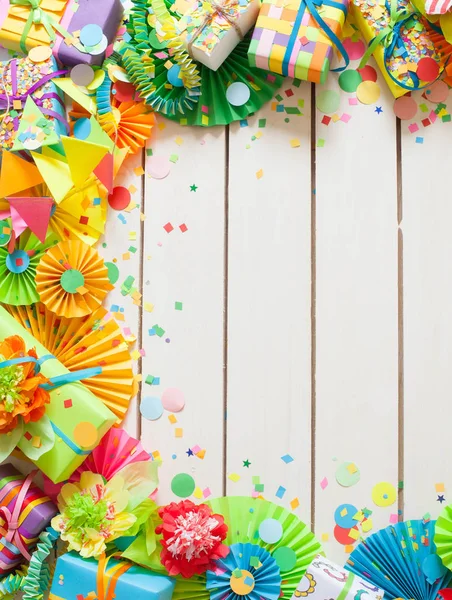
[72, 279]
[129, 124]
[82, 343]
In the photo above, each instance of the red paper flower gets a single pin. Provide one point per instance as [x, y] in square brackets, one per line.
[192, 538]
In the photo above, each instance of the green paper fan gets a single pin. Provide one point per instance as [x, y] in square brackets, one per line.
[18, 269]
[443, 536]
[186, 105]
[243, 517]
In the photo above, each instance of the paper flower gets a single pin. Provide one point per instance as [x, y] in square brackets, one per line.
[93, 513]
[192, 538]
[20, 394]
[249, 571]
[72, 279]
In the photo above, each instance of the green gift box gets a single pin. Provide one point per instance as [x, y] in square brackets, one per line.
[75, 420]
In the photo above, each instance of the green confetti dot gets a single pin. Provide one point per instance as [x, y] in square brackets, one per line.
[349, 80]
[328, 101]
[285, 558]
[71, 280]
[344, 477]
[113, 272]
[183, 485]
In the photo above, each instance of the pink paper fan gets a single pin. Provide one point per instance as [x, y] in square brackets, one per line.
[116, 450]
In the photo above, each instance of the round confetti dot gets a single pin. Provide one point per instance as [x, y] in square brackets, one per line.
[91, 35]
[40, 54]
[123, 543]
[82, 75]
[355, 50]
[270, 531]
[343, 535]
[328, 101]
[384, 494]
[71, 280]
[243, 585]
[85, 435]
[113, 272]
[5, 232]
[183, 485]
[158, 167]
[173, 76]
[368, 73]
[123, 91]
[155, 42]
[98, 80]
[99, 48]
[151, 408]
[433, 568]
[285, 558]
[238, 93]
[405, 108]
[344, 514]
[17, 262]
[427, 69]
[173, 400]
[119, 199]
[368, 92]
[174, 456]
[349, 80]
[437, 92]
[82, 128]
[347, 474]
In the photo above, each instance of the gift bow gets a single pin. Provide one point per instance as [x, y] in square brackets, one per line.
[38, 16]
[106, 582]
[11, 528]
[216, 9]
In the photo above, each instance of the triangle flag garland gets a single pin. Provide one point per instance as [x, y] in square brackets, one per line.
[34, 212]
[56, 174]
[17, 174]
[82, 157]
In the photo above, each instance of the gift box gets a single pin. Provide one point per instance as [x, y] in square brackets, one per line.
[76, 577]
[78, 419]
[398, 56]
[296, 38]
[22, 79]
[210, 30]
[24, 512]
[324, 579]
[23, 27]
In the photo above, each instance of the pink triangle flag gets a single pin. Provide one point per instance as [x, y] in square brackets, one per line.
[34, 212]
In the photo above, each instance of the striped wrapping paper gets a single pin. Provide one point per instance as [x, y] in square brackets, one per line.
[287, 39]
[35, 515]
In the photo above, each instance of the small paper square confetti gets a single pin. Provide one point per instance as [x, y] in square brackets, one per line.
[259, 174]
[280, 492]
[168, 228]
[68, 403]
[183, 228]
[178, 305]
[295, 503]
[178, 432]
[439, 487]
[325, 537]
[324, 483]
[287, 458]
[172, 419]
[234, 477]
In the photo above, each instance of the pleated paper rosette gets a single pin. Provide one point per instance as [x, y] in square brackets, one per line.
[402, 561]
[443, 536]
[247, 519]
[18, 268]
[207, 105]
[85, 342]
[72, 279]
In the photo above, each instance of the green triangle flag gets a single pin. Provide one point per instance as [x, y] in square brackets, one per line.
[35, 129]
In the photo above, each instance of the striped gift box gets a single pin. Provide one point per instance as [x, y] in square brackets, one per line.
[287, 39]
[20, 525]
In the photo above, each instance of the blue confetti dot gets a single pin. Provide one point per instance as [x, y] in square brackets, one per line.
[174, 456]
[173, 76]
[17, 261]
[82, 129]
[347, 521]
[151, 408]
[91, 34]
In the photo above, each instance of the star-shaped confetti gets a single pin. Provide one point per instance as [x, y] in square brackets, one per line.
[378, 110]
[189, 452]
[193, 188]
[246, 463]
[440, 498]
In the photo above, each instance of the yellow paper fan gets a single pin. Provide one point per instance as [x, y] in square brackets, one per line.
[72, 279]
[85, 342]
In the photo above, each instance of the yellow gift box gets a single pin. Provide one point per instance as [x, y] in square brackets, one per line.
[398, 66]
[15, 14]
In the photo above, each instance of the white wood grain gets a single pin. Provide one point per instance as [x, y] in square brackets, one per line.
[188, 268]
[269, 334]
[356, 310]
[427, 213]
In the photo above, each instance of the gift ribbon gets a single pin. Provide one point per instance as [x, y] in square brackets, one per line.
[347, 587]
[11, 532]
[311, 5]
[219, 9]
[38, 16]
[106, 581]
[391, 38]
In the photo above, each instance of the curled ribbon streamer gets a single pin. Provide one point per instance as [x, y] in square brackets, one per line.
[391, 37]
[106, 581]
[219, 9]
[11, 532]
[38, 16]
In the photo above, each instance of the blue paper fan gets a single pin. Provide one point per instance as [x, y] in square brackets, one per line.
[402, 560]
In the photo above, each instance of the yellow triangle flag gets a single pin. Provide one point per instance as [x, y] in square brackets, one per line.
[55, 173]
[17, 175]
[82, 157]
[73, 91]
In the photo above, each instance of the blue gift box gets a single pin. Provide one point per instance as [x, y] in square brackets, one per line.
[22, 78]
[76, 578]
